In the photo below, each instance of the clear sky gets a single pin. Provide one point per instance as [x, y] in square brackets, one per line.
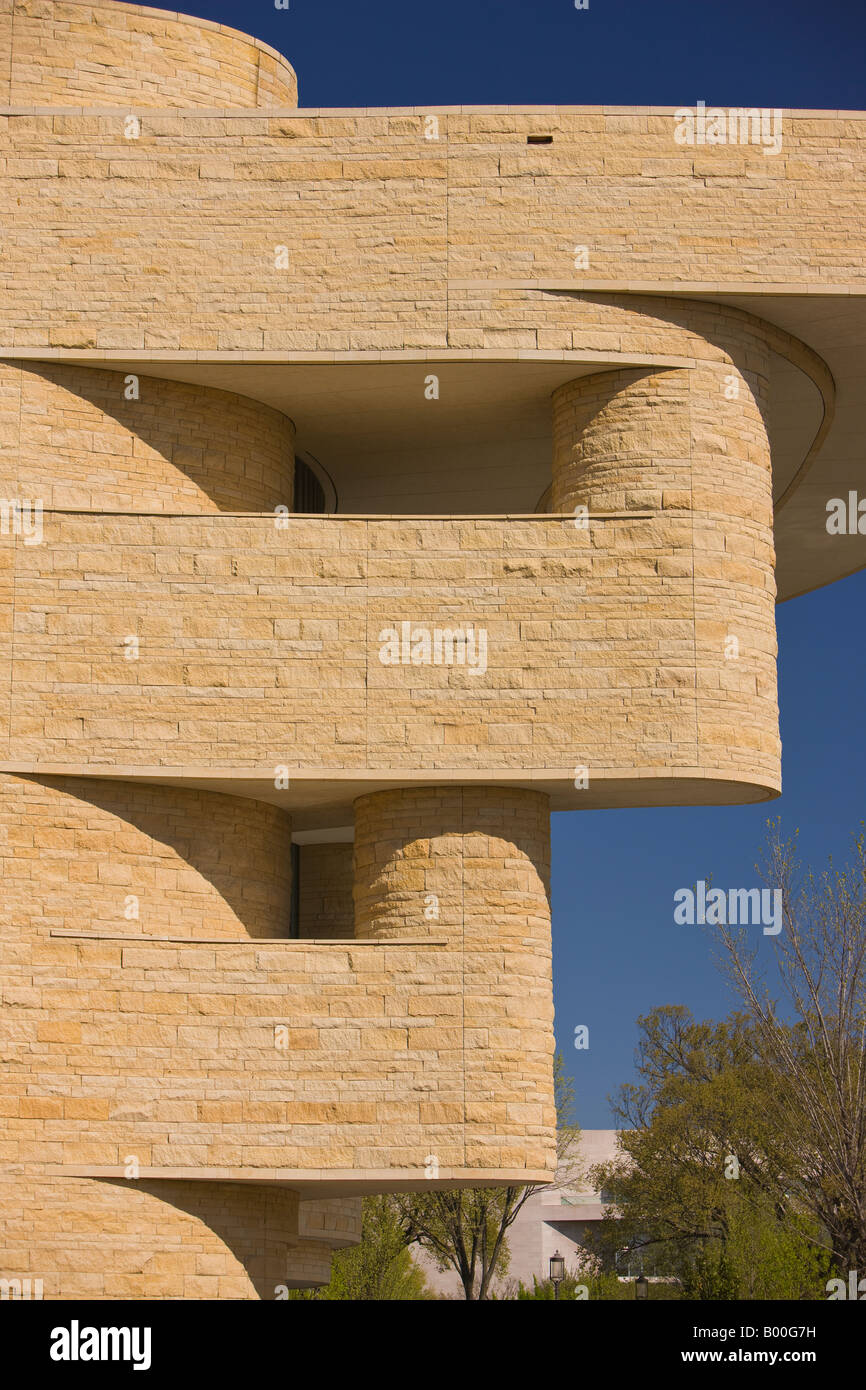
[617, 952]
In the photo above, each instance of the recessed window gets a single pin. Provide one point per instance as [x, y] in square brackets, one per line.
[314, 489]
[539, 139]
[309, 493]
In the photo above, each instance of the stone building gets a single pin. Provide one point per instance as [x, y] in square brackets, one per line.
[374, 483]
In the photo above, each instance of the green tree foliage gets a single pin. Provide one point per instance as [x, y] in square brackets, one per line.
[809, 1028]
[744, 1165]
[763, 1257]
[379, 1268]
[702, 1188]
[577, 1288]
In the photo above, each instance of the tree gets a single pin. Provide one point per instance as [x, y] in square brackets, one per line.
[776, 1094]
[466, 1228]
[701, 1187]
[766, 1255]
[813, 1039]
[379, 1268]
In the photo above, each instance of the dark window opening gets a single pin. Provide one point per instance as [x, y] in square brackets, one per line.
[309, 494]
[539, 139]
[295, 905]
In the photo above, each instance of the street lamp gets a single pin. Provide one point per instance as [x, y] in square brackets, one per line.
[557, 1272]
[641, 1286]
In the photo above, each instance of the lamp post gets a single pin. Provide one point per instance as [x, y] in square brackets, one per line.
[641, 1286]
[557, 1272]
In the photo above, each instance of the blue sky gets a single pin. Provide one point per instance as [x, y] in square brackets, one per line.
[621, 52]
[617, 952]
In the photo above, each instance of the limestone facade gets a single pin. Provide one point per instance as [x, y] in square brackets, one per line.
[549, 584]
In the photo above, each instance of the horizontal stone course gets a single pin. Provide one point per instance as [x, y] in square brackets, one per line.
[367, 269]
[261, 646]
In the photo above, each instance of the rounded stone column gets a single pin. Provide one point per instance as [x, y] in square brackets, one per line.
[106, 53]
[620, 440]
[87, 439]
[465, 861]
[468, 866]
[689, 445]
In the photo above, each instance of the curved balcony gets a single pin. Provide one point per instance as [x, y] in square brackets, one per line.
[307, 660]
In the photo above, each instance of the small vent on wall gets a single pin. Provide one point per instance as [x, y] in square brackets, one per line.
[539, 139]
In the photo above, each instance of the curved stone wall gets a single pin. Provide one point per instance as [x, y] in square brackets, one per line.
[691, 445]
[283, 1061]
[262, 646]
[653, 437]
[181, 256]
[72, 437]
[99, 855]
[472, 864]
[482, 853]
[93, 1239]
[81, 53]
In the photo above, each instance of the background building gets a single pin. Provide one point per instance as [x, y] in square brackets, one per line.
[556, 1218]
